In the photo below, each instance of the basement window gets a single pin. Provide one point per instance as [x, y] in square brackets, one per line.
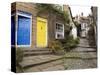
[59, 31]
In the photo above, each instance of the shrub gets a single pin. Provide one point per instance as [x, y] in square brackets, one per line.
[70, 43]
[55, 46]
[63, 44]
[77, 40]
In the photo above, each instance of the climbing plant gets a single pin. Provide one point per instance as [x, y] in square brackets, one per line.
[91, 36]
[53, 10]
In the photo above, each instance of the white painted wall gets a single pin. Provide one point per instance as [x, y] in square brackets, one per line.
[74, 31]
[84, 28]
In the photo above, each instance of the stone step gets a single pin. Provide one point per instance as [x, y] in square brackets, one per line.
[37, 51]
[32, 61]
[83, 49]
[51, 66]
[86, 46]
[34, 49]
[34, 52]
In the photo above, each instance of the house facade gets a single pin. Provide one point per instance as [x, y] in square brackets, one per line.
[84, 26]
[71, 23]
[84, 23]
[32, 29]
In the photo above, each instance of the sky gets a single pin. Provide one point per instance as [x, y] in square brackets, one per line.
[77, 10]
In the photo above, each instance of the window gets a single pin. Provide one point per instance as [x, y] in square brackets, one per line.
[59, 31]
[59, 27]
[22, 27]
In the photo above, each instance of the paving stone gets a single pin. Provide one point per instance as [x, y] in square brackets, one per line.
[54, 68]
[38, 59]
[88, 57]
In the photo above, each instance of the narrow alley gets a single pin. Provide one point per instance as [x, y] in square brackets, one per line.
[82, 57]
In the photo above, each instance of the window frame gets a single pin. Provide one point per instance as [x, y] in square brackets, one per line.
[16, 26]
[59, 32]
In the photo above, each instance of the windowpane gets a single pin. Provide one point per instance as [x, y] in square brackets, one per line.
[59, 31]
[59, 27]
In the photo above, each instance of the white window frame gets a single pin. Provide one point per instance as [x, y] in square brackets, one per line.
[57, 32]
[16, 24]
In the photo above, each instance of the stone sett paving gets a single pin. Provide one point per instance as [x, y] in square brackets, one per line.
[88, 57]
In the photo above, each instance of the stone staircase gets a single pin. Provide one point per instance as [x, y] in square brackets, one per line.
[84, 43]
[38, 51]
[40, 59]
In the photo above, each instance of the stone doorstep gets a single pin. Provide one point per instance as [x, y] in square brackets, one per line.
[38, 60]
[37, 53]
[34, 49]
[47, 67]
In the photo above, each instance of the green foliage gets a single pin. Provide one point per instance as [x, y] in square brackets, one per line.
[76, 23]
[91, 36]
[63, 44]
[77, 40]
[70, 42]
[55, 46]
[67, 30]
[44, 7]
[52, 9]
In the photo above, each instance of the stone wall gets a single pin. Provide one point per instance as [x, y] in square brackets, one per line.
[31, 8]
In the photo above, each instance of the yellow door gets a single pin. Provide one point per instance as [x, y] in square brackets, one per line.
[41, 32]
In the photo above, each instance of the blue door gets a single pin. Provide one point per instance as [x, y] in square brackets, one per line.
[23, 30]
[12, 30]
